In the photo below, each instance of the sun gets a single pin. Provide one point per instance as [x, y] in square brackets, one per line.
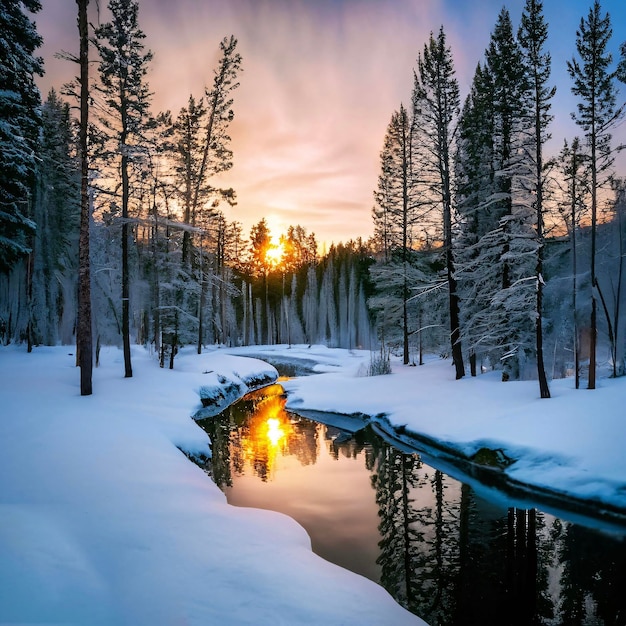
[274, 255]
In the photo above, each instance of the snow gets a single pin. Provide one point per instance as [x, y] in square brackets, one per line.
[104, 521]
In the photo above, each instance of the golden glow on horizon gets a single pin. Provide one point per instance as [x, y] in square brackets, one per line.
[274, 255]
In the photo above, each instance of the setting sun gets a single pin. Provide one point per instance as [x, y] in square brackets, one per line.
[274, 255]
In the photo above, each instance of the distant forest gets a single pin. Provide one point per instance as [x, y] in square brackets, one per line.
[486, 249]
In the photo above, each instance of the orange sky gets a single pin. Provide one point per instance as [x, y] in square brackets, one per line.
[321, 79]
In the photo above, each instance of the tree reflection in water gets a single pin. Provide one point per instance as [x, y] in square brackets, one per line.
[253, 433]
[443, 552]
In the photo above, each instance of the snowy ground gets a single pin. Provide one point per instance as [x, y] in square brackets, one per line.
[104, 521]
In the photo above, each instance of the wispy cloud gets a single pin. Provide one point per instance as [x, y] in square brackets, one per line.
[321, 79]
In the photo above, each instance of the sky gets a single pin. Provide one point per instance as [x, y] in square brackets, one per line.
[320, 81]
[104, 521]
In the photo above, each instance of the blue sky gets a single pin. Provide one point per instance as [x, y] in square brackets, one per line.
[320, 82]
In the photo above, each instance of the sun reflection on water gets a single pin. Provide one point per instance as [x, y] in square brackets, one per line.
[274, 432]
[268, 433]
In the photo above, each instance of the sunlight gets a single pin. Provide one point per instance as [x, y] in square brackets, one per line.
[274, 255]
[268, 434]
[274, 432]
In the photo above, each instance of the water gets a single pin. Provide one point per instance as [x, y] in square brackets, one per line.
[444, 551]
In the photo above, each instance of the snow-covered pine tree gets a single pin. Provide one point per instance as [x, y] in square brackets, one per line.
[56, 211]
[532, 35]
[474, 176]
[436, 103]
[499, 268]
[125, 115]
[597, 113]
[512, 305]
[19, 127]
[396, 213]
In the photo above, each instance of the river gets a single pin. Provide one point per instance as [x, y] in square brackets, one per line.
[450, 553]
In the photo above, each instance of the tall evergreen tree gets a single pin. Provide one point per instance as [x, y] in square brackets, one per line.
[596, 113]
[474, 177]
[436, 101]
[496, 275]
[533, 34]
[19, 126]
[56, 212]
[123, 68]
[397, 205]
[203, 141]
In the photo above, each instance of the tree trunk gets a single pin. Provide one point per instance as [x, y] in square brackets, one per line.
[455, 331]
[472, 360]
[128, 370]
[84, 341]
[201, 300]
[574, 263]
[591, 384]
[453, 298]
[544, 390]
[29, 298]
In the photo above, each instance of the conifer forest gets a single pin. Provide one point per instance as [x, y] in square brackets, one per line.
[490, 246]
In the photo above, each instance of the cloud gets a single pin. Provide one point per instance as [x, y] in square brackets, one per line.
[320, 81]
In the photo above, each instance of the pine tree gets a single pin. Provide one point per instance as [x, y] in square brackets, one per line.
[436, 102]
[596, 114]
[19, 127]
[397, 206]
[474, 176]
[203, 141]
[188, 150]
[123, 67]
[533, 35]
[56, 211]
[497, 274]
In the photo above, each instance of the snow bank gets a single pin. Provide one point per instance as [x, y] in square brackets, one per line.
[572, 443]
[230, 382]
[104, 521]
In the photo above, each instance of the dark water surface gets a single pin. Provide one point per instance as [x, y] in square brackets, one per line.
[445, 552]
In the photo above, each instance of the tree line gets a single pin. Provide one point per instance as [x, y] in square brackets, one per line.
[112, 226]
[470, 210]
[157, 262]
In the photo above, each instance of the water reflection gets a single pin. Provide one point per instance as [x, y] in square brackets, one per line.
[442, 551]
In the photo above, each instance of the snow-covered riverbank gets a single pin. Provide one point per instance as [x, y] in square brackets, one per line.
[572, 443]
[104, 521]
